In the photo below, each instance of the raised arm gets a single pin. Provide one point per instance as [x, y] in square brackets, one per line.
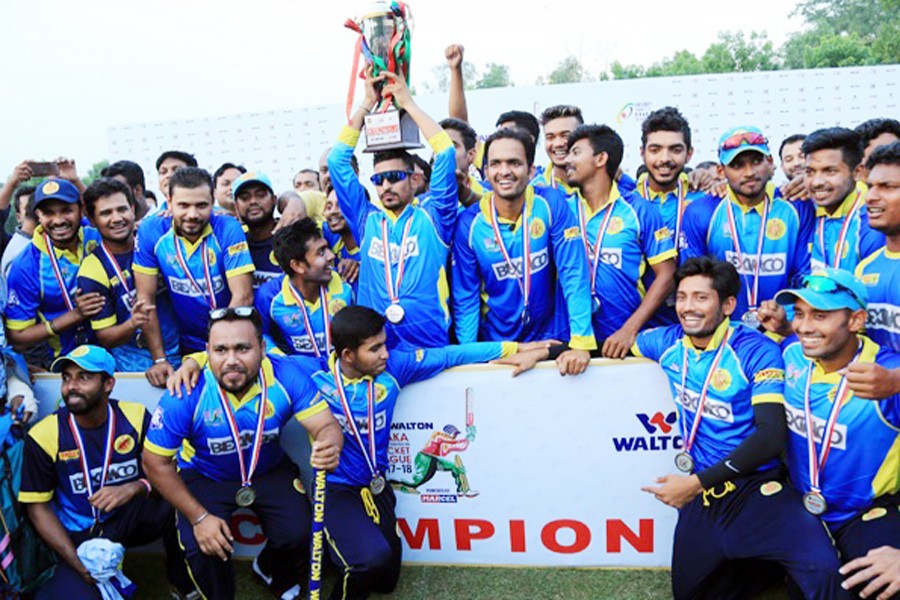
[457, 103]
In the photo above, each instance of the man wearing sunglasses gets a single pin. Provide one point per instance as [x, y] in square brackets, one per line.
[842, 450]
[243, 399]
[404, 248]
[766, 238]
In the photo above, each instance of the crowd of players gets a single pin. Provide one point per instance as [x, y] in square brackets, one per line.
[774, 312]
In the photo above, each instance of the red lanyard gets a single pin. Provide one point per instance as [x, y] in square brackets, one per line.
[842, 238]
[752, 290]
[524, 280]
[598, 243]
[107, 454]
[247, 473]
[679, 208]
[698, 416]
[393, 289]
[370, 456]
[326, 321]
[210, 292]
[57, 273]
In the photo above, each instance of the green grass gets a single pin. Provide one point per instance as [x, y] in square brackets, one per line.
[473, 583]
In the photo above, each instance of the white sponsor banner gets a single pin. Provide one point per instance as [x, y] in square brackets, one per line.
[551, 476]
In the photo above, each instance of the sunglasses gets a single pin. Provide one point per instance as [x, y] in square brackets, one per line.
[744, 139]
[242, 312]
[391, 176]
[824, 285]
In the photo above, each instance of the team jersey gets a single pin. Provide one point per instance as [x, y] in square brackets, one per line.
[403, 368]
[341, 252]
[227, 255]
[750, 371]
[98, 275]
[859, 240]
[263, 256]
[634, 237]
[784, 255]
[52, 468]
[196, 428]
[424, 231]
[865, 451]
[283, 322]
[34, 292]
[488, 298]
[880, 273]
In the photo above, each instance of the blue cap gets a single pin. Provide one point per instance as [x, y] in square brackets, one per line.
[93, 359]
[828, 289]
[248, 178]
[56, 189]
[745, 139]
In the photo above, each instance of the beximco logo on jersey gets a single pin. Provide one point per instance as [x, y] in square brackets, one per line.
[661, 431]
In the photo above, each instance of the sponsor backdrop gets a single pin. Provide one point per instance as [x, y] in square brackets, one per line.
[537, 470]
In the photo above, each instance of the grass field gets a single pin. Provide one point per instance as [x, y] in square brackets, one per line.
[464, 583]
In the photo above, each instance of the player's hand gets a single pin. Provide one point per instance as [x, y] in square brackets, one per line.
[159, 373]
[214, 537]
[871, 381]
[523, 360]
[67, 169]
[540, 345]
[773, 318]
[700, 180]
[86, 575]
[21, 173]
[325, 455]
[880, 567]
[454, 55]
[348, 269]
[186, 377]
[573, 362]
[88, 305]
[372, 96]
[293, 211]
[796, 188]
[719, 189]
[141, 313]
[395, 86]
[619, 343]
[110, 497]
[676, 490]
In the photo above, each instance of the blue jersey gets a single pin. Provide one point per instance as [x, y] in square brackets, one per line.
[750, 371]
[98, 275]
[196, 429]
[52, 470]
[227, 255]
[488, 301]
[283, 321]
[424, 291]
[880, 273]
[403, 368]
[635, 238]
[341, 252]
[784, 255]
[851, 219]
[865, 450]
[34, 294]
[262, 254]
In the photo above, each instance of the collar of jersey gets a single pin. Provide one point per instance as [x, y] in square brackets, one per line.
[346, 380]
[190, 247]
[661, 196]
[396, 218]
[529, 207]
[548, 178]
[758, 207]
[614, 195]
[254, 390]
[845, 206]
[717, 338]
[288, 295]
[37, 238]
[869, 352]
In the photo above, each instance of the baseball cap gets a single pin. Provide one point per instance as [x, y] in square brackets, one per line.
[828, 289]
[93, 359]
[56, 189]
[248, 178]
[742, 139]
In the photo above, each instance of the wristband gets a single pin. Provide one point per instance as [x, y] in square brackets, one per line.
[49, 326]
[199, 519]
[146, 484]
[160, 360]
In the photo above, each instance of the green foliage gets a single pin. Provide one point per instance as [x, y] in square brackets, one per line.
[494, 76]
[94, 172]
[569, 70]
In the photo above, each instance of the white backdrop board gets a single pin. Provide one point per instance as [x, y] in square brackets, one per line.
[557, 463]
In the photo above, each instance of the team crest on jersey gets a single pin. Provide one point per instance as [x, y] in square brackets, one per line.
[721, 380]
[213, 417]
[572, 233]
[537, 228]
[775, 229]
[156, 422]
[292, 319]
[770, 488]
[124, 444]
[875, 513]
[212, 255]
[90, 246]
[67, 455]
[380, 392]
[336, 305]
[792, 374]
[867, 279]
[490, 244]
[298, 485]
[238, 248]
[616, 225]
[272, 258]
[662, 234]
[270, 409]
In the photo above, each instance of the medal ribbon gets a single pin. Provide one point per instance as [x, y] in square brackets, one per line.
[210, 295]
[112, 261]
[598, 244]
[107, 454]
[323, 301]
[695, 426]
[845, 228]
[57, 273]
[679, 207]
[817, 463]
[752, 291]
[247, 474]
[393, 289]
[370, 456]
[524, 280]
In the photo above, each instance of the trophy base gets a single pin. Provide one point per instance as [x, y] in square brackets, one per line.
[391, 130]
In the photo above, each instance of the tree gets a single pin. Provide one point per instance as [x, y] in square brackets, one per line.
[733, 52]
[94, 172]
[440, 78]
[495, 76]
[569, 70]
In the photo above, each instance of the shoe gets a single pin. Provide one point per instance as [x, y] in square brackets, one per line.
[176, 595]
[267, 579]
[291, 594]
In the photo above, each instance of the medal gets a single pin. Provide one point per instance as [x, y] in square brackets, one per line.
[596, 303]
[307, 324]
[523, 275]
[684, 462]
[752, 290]
[595, 253]
[210, 293]
[750, 318]
[245, 496]
[526, 318]
[815, 503]
[376, 486]
[107, 456]
[394, 313]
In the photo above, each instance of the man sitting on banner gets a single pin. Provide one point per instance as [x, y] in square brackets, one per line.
[82, 477]
[842, 450]
[242, 402]
[297, 307]
[254, 201]
[363, 379]
[733, 501]
[403, 273]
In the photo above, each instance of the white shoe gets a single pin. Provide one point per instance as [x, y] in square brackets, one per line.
[292, 594]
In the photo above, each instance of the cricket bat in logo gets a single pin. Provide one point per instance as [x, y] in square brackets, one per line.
[470, 407]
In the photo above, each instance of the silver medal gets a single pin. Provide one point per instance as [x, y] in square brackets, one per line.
[684, 462]
[245, 496]
[377, 485]
[814, 503]
[750, 319]
[394, 313]
[596, 303]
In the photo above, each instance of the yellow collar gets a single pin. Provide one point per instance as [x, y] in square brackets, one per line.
[716, 340]
[190, 247]
[334, 287]
[255, 389]
[37, 238]
[614, 195]
[869, 352]
[659, 196]
[847, 203]
[770, 194]
[485, 205]
[346, 380]
[553, 181]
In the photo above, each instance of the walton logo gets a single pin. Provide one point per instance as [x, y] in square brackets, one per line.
[659, 426]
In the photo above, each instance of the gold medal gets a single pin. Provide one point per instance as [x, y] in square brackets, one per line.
[245, 496]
